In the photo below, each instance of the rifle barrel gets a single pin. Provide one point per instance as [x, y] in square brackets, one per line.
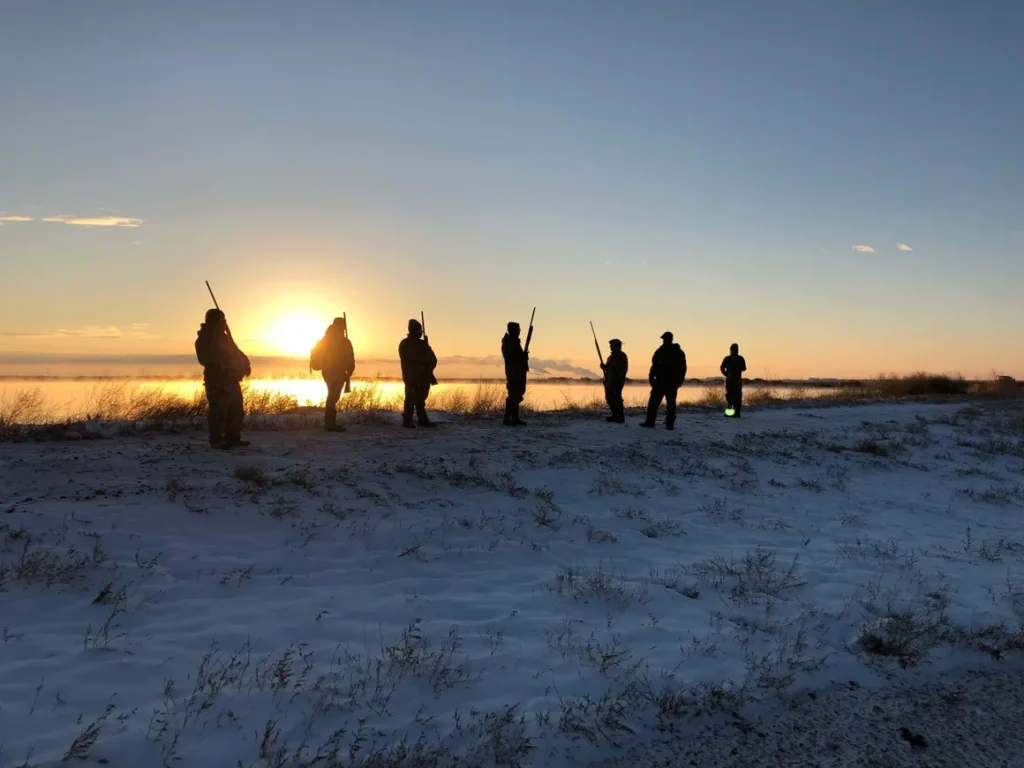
[596, 345]
[226, 326]
[211, 295]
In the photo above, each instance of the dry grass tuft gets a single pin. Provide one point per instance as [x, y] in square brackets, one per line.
[131, 405]
[488, 399]
[24, 407]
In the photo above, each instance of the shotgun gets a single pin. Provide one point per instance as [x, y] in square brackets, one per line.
[598, 348]
[423, 327]
[215, 304]
[529, 333]
[347, 387]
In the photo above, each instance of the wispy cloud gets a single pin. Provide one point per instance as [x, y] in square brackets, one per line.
[537, 364]
[95, 221]
[10, 219]
[133, 331]
[904, 247]
[863, 249]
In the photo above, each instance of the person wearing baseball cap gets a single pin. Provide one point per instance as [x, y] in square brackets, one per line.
[668, 371]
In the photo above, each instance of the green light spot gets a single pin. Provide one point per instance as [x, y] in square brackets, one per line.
[730, 412]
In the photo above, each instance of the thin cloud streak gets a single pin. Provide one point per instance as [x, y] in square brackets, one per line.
[95, 221]
[904, 247]
[12, 219]
[537, 364]
[134, 331]
[863, 249]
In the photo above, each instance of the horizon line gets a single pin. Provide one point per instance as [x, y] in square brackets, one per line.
[559, 370]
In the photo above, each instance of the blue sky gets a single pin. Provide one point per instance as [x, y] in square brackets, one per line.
[708, 168]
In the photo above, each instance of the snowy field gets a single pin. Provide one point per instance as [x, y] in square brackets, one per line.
[832, 586]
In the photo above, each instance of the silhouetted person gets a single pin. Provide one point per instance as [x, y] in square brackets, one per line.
[732, 368]
[668, 371]
[418, 364]
[224, 367]
[517, 364]
[615, 370]
[334, 357]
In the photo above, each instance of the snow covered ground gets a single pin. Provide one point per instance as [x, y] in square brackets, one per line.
[802, 587]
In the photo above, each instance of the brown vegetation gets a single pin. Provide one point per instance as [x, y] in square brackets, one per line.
[920, 384]
[128, 403]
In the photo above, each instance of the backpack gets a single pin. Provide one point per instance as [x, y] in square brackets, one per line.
[316, 357]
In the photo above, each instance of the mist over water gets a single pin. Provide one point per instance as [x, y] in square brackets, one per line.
[77, 398]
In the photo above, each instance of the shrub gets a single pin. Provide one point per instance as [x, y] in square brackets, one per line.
[921, 383]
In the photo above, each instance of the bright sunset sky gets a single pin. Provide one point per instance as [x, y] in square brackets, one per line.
[837, 186]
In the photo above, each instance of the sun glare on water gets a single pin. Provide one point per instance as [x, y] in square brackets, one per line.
[296, 335]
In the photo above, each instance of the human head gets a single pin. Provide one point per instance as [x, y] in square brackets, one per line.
[735, 349]
[215, 318]
[615, 344]
[339, 323]
[415, 329]
[667, 337]
[513, 329]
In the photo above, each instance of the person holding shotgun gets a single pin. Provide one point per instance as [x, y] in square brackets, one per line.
[224, 367]
[517, 364]
[615, 370]
[334, 357]
[418, 364]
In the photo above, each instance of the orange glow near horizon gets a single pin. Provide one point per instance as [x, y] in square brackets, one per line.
[294, 335]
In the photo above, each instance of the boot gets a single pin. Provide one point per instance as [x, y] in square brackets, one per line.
[514, 416]
[408, 425]
[647, 424]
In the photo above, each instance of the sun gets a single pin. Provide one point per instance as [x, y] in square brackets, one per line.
[295, 335]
